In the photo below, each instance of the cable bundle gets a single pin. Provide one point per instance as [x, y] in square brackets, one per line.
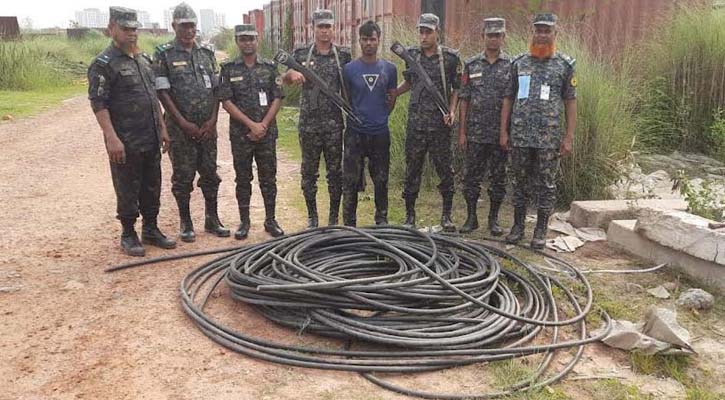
[439, 301]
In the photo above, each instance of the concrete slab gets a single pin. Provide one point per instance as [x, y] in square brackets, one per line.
[621, 235]
[682, 231]
[598, 213]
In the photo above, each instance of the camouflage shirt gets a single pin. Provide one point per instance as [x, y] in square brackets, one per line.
[423, 114]
[484, 87]
[539, 89]
[189, 77]
[124, 86]
[252, 90]
[317, 111]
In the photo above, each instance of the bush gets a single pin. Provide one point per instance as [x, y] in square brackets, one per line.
[47, 62]
[683, 74]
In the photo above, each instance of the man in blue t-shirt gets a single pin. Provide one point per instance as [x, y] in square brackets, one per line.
[371, 84]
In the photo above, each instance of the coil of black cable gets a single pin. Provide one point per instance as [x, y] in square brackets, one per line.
[439, 301]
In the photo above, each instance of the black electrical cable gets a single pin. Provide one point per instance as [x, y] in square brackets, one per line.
[433, 301]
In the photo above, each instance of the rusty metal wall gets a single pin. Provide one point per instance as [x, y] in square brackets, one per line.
[9, 28]
[606, 25]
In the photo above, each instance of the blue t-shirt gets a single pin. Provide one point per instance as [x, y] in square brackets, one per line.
[368, 85]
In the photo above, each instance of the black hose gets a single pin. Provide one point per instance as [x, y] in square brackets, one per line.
[433, 301]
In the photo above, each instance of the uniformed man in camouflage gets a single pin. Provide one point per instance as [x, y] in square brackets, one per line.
[485, 78]
[250, 90]
[123, 98]
[321, 122]
[541, 89]
[428, 131]
[186, 74]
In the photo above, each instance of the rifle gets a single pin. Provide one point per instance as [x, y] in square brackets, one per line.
[401, 52]
[284, 58]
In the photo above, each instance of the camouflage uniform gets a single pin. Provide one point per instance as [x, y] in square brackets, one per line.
[125, 87]
[536, 130]
[189, 78]
[321, 125]
[538, 89]
[243, 86]
[484, 89]
[426, 131]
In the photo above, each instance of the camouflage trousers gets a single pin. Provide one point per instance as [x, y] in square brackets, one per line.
[482, 158]
[264, 154]
[541, 165]
[137, 183]
[358, 147]
[189, 157]
[436, 143]
[313, 145]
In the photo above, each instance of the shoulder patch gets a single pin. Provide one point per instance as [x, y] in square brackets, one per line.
[207, 48]
[449, 50]
[473, 59]
[569, 60]
[103, 58]
[518, 57]
[265, 61]
[163, 47]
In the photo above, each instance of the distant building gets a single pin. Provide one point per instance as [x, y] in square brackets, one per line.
[210, 22]
[144, 18]
[92, 18]
[169, 18]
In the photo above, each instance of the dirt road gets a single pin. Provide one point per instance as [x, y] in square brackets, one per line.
[69, 330]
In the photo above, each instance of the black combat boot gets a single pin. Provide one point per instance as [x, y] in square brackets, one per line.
[129, 240]
[150, 234]
[493, 226]
[381, 216]
[270, 223]
[517, 231]
[542, 225]
[446, 222]
[211, 219]
[334, 209]
[312, 218]
[409, 213]
[186, 227]
[243, 229]
[471, 223]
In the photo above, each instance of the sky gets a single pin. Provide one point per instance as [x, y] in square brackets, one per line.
[46, 14]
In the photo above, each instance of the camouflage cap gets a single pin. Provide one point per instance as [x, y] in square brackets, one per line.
[494, 25]
[245, 30]
[183, 13]
[428, 20]
[545, 19]
[125, 17]
[323, 17]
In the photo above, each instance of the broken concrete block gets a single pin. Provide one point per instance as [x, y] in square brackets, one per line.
[621, 235]
[659, 292]
[697, 299]
[599, 213]
[682, 231]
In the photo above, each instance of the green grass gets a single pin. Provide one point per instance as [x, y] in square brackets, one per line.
[25, 103]
[40, 72]
[683, 83]
[612, 389]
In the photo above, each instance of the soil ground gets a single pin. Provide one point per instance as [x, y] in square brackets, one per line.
[69, 330]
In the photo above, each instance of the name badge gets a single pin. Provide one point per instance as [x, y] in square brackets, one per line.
[476, 75]
[524, 82]
[178, 63]
[236, 78]
[263, 99]
[545, 90]
[207, 81]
